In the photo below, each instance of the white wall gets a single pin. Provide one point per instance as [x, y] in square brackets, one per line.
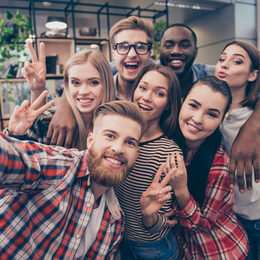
[214, 30]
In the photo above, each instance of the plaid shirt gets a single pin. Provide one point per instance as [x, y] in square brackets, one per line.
[213, 231]
[46, 203]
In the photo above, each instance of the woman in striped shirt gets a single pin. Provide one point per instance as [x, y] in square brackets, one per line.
[157, 93]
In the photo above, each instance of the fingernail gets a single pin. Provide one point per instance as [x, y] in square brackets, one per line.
[242, 191]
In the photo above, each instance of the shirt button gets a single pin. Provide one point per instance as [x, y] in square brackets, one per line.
[88, 205]
[78, 236]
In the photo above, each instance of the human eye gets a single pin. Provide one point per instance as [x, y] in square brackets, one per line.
[132, 143]
[238, 61]
[185, 45]
[168, 45]
[110, 136]
[160, 94]
[141, 46]
[95, 82]
[123, 46]
[143, 88]
[74, 82]
[221, 58]
[213, 115]
[193, 105]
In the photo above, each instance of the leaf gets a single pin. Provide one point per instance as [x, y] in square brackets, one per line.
[9, 15]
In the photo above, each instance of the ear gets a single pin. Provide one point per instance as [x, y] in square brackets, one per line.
[196, 53]
[113, 53]
[90, 140]
[252, 76]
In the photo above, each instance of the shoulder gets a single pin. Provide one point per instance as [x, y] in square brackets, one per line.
[202, 70]
[161, 145]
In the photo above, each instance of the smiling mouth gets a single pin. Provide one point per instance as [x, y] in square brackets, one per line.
[144, 107]
[131, 65]
[114, 162]
[176, 63]
[193, 128]
[85, 100]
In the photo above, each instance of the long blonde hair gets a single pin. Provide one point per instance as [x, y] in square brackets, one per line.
[98, 60]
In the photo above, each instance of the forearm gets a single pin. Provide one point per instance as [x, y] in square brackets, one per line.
[36, 93]
[182, 197]
[154, 223]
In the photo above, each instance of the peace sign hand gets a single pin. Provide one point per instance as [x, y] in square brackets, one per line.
[23, 116]
[35, 72]
[175, 167]
[156, 195]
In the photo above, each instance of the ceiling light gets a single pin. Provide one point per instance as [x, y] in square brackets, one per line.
[187, 4]
[56, 23]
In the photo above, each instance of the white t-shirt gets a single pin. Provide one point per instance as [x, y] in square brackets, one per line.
[90, 233]
[247, 204]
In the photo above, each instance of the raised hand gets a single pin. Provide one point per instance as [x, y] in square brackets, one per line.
[176, 169]
[23, 116]
[245, 154]
[156, 195]
[35, 72]
[62, 126]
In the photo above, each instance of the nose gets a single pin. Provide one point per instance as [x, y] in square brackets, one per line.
[176, 49]
[198, 117]
[147, 96]
[224, 64]
[117, 146]
[132, 52]
[84, 89]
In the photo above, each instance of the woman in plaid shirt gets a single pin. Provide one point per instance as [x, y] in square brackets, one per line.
[208, 227]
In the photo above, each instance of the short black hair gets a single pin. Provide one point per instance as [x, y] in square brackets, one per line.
[194, 36]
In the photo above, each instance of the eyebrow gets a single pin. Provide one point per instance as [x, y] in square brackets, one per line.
[155, 86]
[210, 109]
[114, 132]
[236, 54]
[87, 79]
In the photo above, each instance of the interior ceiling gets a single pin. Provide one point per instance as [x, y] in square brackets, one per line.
[182, 13]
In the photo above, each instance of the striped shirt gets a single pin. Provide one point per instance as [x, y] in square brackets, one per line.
[151, 155]
[46, 202]
[213, 231]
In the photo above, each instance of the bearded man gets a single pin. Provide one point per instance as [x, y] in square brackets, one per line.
[58, 203]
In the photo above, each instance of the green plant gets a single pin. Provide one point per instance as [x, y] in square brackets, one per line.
[158, 27]
[14, 30]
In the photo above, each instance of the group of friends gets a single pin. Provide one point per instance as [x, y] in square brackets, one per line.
[164, 158]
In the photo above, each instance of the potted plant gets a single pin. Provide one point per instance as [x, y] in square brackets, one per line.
[14, 30]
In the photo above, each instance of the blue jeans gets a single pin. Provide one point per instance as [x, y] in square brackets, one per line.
[164, 249]
[252, 228]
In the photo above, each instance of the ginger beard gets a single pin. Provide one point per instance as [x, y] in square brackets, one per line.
[104, 175]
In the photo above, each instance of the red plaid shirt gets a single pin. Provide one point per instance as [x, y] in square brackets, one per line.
[213, 231]
[46, 203]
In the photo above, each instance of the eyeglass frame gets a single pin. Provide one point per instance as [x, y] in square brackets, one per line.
[148, 44]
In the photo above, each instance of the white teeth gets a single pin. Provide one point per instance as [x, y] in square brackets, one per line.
[193, 127]
[144, 107]
[131, 64]
[176, 61]
[84, 100]
[113, 161]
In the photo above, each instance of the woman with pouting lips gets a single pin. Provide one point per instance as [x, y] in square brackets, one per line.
[239, 65]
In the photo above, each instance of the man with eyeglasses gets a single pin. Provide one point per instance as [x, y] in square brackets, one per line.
[131, 41]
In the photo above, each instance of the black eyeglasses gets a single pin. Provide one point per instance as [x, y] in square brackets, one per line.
[141, 48]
